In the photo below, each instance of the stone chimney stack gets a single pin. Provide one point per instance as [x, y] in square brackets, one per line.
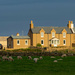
[70, 24]
[17, 34]
[31, 25]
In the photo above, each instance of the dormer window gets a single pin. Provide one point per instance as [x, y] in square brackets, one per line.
[64, 35]
[42, 34]
[53, 34]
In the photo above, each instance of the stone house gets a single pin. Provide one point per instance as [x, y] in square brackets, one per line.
[46, 36]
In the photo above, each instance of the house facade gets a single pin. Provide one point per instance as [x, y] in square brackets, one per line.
[52, 36]
[46, 36]
[18, 41]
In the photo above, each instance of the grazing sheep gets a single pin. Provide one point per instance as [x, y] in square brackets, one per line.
[52, 57]
[60, 59]
[35, 60]
[10, 58]
[64, 55]
[55, 61]
[41, 57]
[5, 58]
[29, 57]
[70, 54]
[19, 57]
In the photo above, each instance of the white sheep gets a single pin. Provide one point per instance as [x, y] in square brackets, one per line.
[52, 57]
[41, 57]
[35, 60]
[64, 55]
[10, 58]
[60, 59]
[29, 57]
[5, 58]
[55, 61]
[19, 57]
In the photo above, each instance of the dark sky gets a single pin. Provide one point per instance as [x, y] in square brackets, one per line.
[15, 15]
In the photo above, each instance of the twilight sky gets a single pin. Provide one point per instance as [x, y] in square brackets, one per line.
[15, 15]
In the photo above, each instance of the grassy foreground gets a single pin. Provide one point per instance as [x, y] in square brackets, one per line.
[46, 66]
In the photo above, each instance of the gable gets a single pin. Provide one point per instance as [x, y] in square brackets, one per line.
[64, 31]
[42, 30]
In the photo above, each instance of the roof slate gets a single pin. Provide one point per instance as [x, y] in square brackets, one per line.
[20, 37]
[48, 29]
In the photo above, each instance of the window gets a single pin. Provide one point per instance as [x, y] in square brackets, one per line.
[42, 42]
[18, 42]
[26, 42]
[42, 34]
[53, 34]
[64, 42]
[64, 35]
[57, 41]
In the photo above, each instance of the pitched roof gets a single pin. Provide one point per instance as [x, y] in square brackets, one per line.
[20, 37]
[48, 29]
[74, 29]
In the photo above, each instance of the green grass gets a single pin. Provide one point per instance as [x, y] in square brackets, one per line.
[46, 66]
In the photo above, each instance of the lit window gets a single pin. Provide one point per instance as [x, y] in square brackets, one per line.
[26, 42]
[53, 34]
[64, 42]
[42, 34]
[42, 42]
[18, 42]
[64, 35]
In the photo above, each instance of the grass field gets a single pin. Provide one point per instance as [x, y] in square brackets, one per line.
[46, 66]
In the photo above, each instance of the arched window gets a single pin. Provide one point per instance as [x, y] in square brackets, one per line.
[18, 42]
[26, 42]
[42, 42]
[64, 42]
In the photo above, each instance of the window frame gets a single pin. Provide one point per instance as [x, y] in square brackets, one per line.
[25, 42]
[53, 34]
[63, 42]
[18, 43]
[63, 35]
[41, 42]
[42, 34]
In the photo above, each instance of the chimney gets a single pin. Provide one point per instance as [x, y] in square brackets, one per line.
[31, 25]
[70, 24]
[17, 34]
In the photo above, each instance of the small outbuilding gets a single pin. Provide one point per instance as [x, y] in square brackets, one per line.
[18, 41]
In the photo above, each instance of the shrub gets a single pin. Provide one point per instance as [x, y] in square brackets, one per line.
[38, 45]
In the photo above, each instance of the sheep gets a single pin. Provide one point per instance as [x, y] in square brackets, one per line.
[29, 57]
[64, 55]
[52, 57]
[55, 61]
[5, 58]
[70, 54]
[41, 57]
[60, 59]
[35, 60]
[10, 58]
[19, 57]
